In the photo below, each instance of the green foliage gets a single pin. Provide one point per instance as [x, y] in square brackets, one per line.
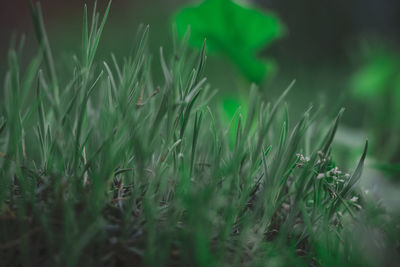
[124, 172]
[377, 84]
[378, 75]
[232, 29]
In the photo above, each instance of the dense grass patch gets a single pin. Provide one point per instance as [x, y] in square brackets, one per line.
[101, 166]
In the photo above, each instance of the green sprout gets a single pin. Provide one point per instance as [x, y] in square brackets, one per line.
[232, 29]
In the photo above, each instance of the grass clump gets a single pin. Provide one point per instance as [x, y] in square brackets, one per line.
[101, 167]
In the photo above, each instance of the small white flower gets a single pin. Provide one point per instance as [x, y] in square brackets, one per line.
[354, 199]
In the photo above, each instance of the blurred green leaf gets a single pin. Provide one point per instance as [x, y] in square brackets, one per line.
[234, 30]
[377, 84]
[393, 169]
[377, 74]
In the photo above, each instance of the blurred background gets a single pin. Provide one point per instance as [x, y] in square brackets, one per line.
[341, 53]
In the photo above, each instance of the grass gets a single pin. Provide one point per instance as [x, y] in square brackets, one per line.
[101, 167]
